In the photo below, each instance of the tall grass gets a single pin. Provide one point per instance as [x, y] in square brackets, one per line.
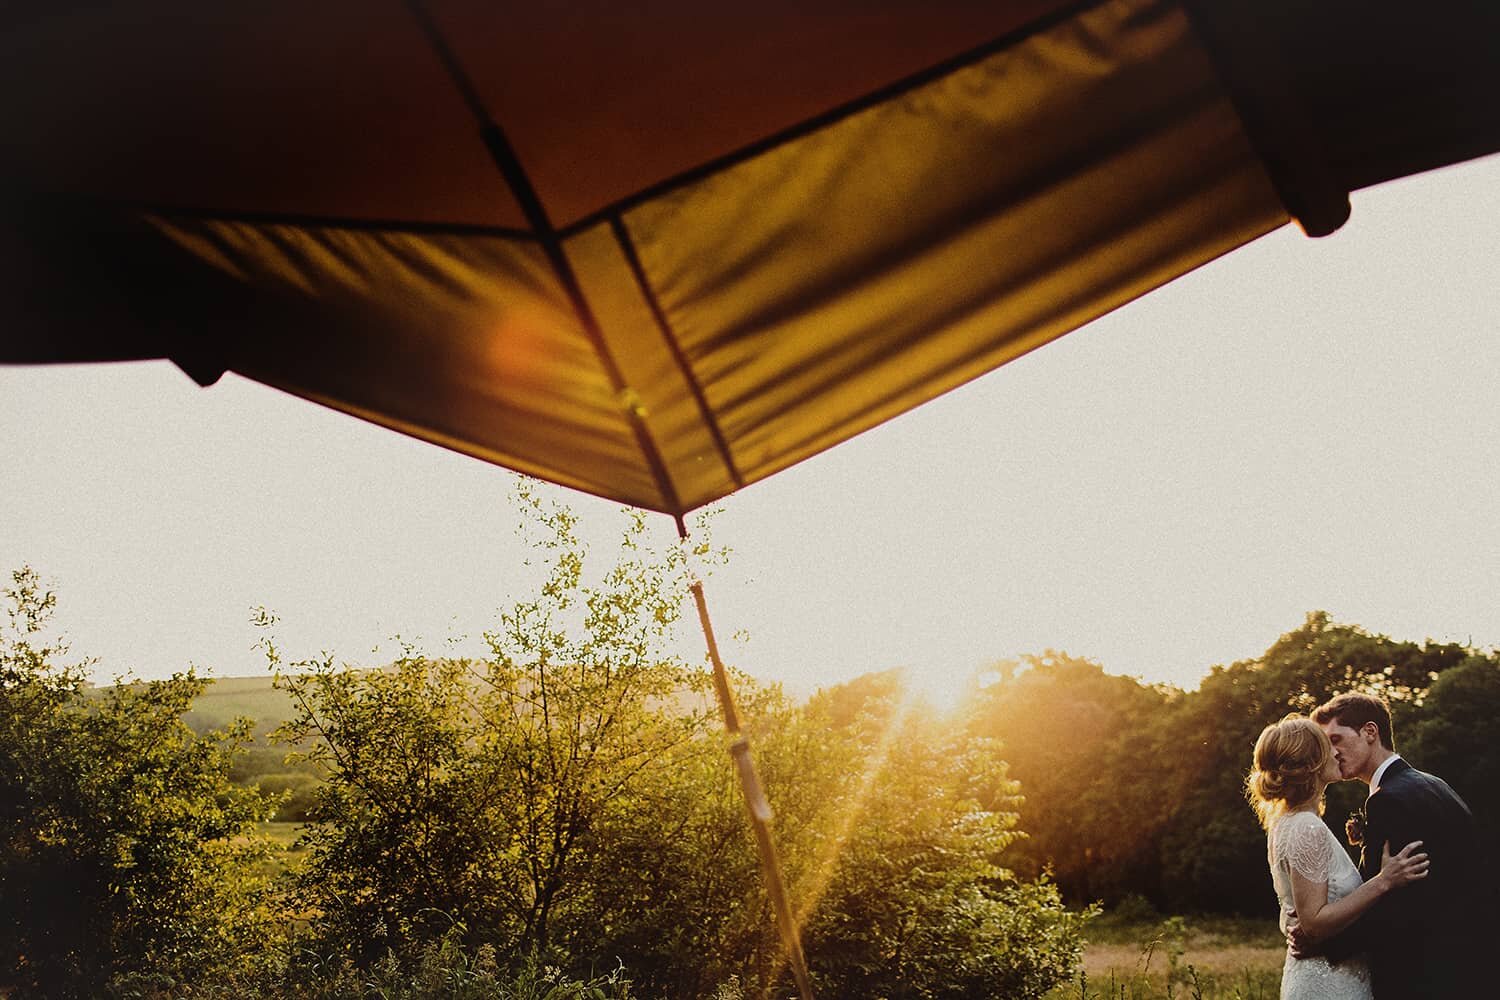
[1247, 984]
[442, 969]
[1160, 968]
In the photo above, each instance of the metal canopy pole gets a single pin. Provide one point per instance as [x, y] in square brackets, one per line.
[755, 797]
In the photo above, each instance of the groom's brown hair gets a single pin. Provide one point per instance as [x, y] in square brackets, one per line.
[1354, 710]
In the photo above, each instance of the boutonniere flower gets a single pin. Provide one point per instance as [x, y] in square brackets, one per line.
[1354, 827]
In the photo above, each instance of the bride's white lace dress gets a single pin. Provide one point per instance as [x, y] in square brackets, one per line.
[1301, 842]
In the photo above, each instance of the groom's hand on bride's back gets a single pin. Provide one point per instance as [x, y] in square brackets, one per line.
[1405, 867]
[1401, 869]
[1298, 942]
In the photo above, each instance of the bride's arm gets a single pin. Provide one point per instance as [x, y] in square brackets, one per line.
[1319, 919]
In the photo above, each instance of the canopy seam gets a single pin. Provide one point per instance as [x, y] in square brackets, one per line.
[516, 178]
[669, 334]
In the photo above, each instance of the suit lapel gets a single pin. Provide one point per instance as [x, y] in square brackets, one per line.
[1396, 767]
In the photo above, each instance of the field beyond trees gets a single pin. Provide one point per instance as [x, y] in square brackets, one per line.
[560, 819]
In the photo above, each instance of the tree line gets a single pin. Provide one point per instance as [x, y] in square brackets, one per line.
[1135, 790]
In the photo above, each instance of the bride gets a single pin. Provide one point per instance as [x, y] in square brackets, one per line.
[1318, 886]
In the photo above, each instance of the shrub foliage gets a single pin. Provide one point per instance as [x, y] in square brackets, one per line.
[125, 855]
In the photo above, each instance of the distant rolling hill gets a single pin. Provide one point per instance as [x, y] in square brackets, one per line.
[230, 698]
[263, 762]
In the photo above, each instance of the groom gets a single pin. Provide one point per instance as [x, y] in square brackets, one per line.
[1423, 941]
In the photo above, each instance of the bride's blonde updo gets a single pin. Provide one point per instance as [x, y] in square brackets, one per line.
[1289, 758]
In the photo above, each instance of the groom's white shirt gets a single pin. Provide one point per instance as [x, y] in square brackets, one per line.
[1375, 778]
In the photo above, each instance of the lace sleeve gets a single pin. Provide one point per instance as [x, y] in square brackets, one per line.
[1304, 846]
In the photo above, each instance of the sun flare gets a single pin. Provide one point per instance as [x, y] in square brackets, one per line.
[941, 687]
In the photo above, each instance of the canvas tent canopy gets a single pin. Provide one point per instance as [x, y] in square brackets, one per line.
[660, 251]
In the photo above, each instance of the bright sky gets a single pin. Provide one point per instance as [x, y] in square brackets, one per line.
[1302, 424]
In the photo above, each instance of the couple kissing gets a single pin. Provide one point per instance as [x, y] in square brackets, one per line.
[1406, 923]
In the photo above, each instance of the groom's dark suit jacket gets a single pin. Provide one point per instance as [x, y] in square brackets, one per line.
[1424, 939]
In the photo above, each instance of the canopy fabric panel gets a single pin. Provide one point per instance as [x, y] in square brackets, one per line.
[654, 257]
[340, 109]
[777, 306]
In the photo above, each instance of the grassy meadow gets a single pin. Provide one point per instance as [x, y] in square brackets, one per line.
[1132, 955]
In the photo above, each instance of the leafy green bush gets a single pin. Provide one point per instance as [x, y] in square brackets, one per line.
[1134, 909]
[125, 852]
[917, 905]
[483, 791]
[295, 793]
[890, 824]
[257, 761]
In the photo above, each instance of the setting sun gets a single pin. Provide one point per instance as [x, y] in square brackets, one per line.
[943, 688]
